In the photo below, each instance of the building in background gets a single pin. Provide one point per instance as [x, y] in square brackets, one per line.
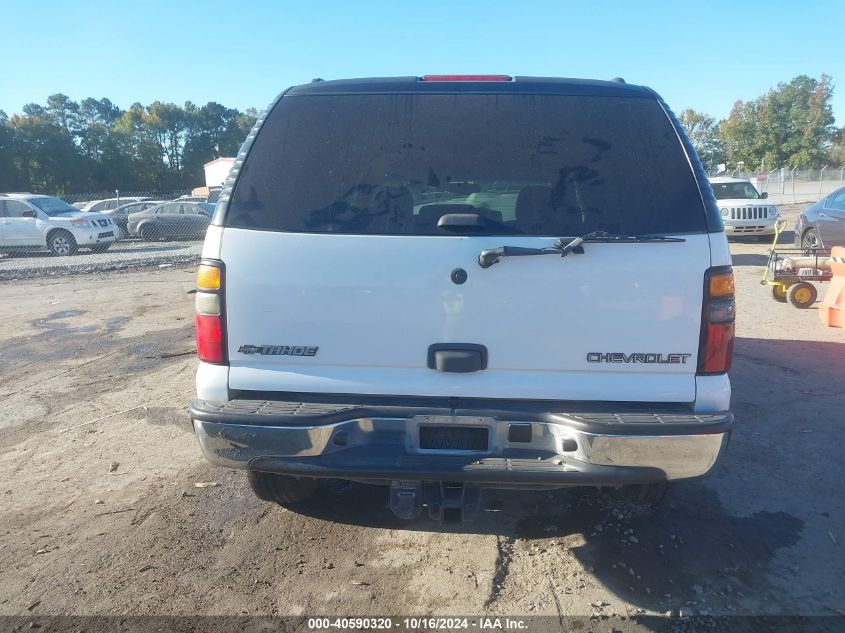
[215, 173]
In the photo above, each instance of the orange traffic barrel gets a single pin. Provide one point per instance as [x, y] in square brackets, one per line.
[832, 309]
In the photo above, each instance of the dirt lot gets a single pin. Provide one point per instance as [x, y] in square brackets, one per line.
[99, 512]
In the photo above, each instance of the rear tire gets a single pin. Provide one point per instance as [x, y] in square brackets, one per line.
[644, 494]
[282, 489]
[147, 234]
[810, 242]
[61, 243]
[802, 295]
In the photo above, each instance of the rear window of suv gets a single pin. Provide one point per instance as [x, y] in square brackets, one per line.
[549, 165]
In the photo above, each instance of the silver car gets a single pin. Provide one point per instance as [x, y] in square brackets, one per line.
[822, 225]
[120, 215]
[187, 220]
[110, 203]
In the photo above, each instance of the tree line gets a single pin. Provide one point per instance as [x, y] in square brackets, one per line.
[92, 145]
[791, 125]
[66, 146]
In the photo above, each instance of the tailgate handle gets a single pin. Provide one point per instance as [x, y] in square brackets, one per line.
[458, 358]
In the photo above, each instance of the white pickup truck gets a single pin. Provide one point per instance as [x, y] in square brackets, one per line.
[443, 284]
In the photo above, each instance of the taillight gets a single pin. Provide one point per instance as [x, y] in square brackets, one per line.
[466, 78]
[718, 314]
[209, 316]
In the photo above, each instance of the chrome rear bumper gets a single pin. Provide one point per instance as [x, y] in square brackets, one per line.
[382, 442]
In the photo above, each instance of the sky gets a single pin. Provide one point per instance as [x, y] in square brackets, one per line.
[242, 53]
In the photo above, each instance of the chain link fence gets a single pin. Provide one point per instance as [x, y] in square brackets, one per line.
[100, 231]
[124, 197]
[794, 185]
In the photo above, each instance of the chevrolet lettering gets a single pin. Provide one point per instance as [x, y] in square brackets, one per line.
[619, 357]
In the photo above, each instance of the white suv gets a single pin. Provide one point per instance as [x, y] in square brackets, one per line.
[743, 208]
[29, 221]
[442, 284]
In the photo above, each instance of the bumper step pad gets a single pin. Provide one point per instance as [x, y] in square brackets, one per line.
[646, 419]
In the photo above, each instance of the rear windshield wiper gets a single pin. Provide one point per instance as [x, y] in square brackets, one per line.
[562, 247]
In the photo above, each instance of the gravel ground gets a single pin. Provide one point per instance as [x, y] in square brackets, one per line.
[102, 512]
[122, 256]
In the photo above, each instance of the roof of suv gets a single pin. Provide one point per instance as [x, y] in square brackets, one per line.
[527, 85]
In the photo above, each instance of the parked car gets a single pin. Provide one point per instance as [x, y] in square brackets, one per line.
[557, 320]
[32, 222]
[188, 220]
[120, 215]
[822, 225]
[187, 198]
[110, 203]
[742, 208]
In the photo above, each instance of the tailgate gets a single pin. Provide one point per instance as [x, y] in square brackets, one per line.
[620, 322]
